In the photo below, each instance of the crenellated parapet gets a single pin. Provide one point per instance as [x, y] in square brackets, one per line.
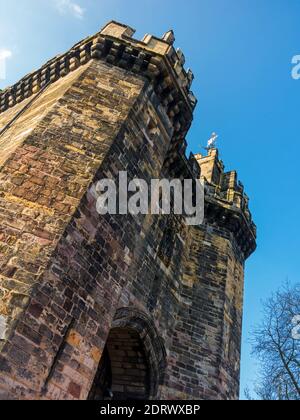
[154, 58]
[226, 200]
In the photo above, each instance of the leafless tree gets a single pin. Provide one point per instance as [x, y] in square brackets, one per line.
[276, 344]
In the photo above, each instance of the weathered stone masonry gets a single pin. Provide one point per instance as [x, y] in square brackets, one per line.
[114, 306]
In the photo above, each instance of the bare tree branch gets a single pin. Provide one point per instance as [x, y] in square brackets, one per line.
[276, 348]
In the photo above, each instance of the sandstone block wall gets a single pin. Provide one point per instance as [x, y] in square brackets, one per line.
[75, 285]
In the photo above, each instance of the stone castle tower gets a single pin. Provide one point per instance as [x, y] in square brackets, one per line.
[95, 307]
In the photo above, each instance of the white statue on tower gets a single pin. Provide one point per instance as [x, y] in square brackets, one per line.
[211, 144]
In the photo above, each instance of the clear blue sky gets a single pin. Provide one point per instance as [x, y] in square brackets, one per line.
[240, 52]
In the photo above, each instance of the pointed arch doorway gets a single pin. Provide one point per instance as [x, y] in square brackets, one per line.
[133, 361]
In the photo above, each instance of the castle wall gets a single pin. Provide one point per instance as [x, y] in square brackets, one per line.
[75, 286]
[43, 182]
[70, 278]
[206, 342]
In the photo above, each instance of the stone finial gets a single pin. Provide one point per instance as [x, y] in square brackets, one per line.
[169, 37]
[117, 30]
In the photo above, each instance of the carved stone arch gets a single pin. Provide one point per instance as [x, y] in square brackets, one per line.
[133, 361]
[152, 343]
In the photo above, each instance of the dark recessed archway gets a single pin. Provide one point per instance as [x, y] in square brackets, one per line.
[123, 372]
[133, 361]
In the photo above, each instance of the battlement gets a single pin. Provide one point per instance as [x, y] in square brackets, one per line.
[154, 58]
[223, 189]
